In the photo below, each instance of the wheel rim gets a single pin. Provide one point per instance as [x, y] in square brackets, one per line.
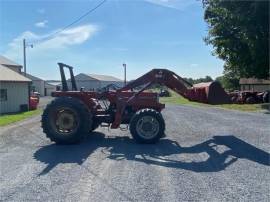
[65, 121]
[147, 127]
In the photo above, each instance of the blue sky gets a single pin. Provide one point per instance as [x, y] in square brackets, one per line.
[144, 34]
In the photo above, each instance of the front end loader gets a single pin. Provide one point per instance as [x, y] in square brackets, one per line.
[75, 113]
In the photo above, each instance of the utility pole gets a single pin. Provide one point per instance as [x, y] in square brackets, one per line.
[24, 54]
[125, 74]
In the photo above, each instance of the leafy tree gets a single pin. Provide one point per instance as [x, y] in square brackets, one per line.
[208, 79]
[199, 80]
[239, 33]
[190, 80]
[229, 82]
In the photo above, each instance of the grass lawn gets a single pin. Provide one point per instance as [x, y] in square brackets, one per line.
[11, 118]
[177, 99]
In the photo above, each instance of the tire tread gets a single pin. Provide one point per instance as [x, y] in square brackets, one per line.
[142, 112]
[84, 115]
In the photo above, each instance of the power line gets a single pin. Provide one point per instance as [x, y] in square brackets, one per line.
[72, 23]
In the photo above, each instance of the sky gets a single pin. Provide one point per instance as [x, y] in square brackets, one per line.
[144, 34]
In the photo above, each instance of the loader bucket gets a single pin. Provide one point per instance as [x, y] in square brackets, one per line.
[211, 93]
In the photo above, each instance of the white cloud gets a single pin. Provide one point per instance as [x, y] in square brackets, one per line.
[194, 65]
[44, 44]
[41, 10]
[42, 24]
[120, 49]
[175, 4]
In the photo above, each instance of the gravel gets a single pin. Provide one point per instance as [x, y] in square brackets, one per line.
[208, 154]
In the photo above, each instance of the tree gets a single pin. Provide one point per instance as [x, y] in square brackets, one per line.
[208, 79]
[228, 81]
[199, 80]
[239, 33]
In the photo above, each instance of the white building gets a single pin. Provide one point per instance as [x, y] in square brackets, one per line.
[95, 81]
[38, 85]
[14, 91]
[49, 88]
[10, 64]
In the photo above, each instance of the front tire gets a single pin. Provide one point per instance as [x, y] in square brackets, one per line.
[66, 120]
[147, 126]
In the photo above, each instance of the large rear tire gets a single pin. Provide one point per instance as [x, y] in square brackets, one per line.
[266, 96]
[250, 100]
[66, 120]
[147, 126]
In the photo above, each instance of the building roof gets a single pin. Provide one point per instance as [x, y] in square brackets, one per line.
[253, 81]
[55, 83]
[104, 77]
[95, 77]
[33, 78]
[7, 62]
[49, 85]
[7, 74]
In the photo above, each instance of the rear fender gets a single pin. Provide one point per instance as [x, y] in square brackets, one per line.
[88, 98]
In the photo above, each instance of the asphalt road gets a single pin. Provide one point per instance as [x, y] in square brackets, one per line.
[208, 155]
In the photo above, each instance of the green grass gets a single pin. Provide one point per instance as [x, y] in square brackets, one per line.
[177, 99]
[11, 118]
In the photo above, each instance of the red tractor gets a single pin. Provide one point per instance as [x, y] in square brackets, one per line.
[249, 97]
[75, 113]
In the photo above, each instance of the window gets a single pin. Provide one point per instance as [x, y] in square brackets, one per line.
[3, 94]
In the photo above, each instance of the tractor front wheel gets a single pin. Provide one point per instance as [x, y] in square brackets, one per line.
[147, 126]
[66, 120]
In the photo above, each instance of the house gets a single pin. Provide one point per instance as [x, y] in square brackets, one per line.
[252, 84]
[14, 90]
[95, 81]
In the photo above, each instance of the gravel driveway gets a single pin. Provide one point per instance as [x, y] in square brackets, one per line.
[43, 101]
[208, 155]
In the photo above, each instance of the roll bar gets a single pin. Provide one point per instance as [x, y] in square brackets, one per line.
[63, 77]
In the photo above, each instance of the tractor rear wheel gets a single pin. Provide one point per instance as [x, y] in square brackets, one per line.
[250, 100]
[266, 96]
[147, 126]
[66, 120]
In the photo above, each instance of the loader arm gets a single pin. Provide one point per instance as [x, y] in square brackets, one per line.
[210, 93]
[163, 77]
